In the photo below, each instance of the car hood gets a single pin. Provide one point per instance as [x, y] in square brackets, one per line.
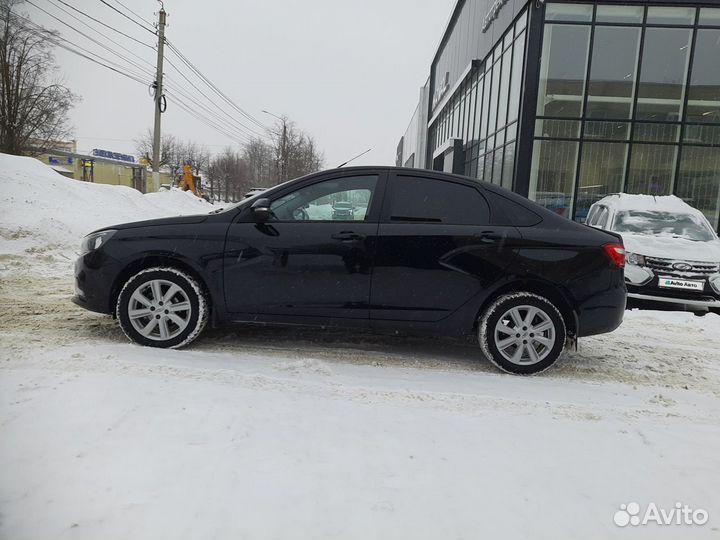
[175, 220]
[672, 248]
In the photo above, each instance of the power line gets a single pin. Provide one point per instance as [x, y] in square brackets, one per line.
[149, 73]
[207, 81]
[106, 37]
[226, 123]
[134, 13]
[109, 49]
[204, 120]
[105, 25]
[57, 39]
[128, 17]
[244, 126]
[222, 125]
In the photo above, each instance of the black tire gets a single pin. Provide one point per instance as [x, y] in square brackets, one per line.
[498, 320]
[187, 305]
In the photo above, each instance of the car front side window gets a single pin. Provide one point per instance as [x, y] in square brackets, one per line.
[339, 199]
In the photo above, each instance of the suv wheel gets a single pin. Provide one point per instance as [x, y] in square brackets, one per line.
[522, 333]
[162, 307]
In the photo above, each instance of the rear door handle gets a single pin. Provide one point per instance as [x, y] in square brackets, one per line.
[488, 237]
[347, 236]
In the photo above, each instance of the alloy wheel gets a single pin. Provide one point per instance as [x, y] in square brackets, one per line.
[159, 310]
[525, 335]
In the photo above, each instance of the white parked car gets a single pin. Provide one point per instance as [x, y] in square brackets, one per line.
[672, 251]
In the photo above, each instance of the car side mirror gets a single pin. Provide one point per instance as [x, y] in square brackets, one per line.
[261, 210]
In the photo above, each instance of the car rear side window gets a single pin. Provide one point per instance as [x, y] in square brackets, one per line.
[426, 200]
[509, 213]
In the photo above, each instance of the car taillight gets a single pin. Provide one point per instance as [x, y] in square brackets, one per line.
[616, 254]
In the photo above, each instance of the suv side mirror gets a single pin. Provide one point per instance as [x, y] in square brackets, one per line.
[261, 210]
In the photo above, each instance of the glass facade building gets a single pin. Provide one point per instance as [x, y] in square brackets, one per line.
[566, 102]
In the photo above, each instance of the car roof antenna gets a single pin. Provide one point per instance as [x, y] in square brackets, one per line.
[353, 159]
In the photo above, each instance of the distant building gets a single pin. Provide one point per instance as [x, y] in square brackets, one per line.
[100, 166]
[414, 147]
[565, 102]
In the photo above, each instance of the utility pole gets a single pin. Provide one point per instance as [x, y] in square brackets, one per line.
[284, 153]
[159, 99]
[283, 148]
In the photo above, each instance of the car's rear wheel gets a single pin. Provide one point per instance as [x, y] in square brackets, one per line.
[162, 307]
[522, 333]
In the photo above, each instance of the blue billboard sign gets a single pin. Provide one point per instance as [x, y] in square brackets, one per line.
[113, 155]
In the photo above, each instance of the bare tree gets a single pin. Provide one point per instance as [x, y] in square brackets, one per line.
[232, 173]
[168, 148]
[260, 161]
[197, 156]
[229, 176]
[34, 105]
[295, 152]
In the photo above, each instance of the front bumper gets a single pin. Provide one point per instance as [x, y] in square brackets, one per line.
[670, 300]
[95, 274]
[650, 290]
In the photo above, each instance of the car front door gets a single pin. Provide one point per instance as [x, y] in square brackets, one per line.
[306, 260]
[436, 248]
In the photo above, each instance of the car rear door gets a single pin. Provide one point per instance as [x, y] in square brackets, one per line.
[436, 248]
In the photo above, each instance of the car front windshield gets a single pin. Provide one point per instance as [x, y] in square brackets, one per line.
[668, 224]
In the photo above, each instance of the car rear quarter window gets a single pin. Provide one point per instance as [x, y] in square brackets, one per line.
[509, 213]
[428, 200]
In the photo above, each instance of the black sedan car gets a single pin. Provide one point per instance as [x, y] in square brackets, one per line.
[433, 253]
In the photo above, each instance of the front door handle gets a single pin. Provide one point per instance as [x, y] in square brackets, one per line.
[347, 236]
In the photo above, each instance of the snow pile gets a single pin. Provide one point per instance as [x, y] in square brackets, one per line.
[42, 211]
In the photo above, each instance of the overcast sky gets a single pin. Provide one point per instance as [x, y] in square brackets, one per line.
[346, 72]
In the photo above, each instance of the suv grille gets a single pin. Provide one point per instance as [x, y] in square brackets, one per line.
[666, 267]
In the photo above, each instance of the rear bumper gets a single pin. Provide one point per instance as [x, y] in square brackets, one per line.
[603, 313]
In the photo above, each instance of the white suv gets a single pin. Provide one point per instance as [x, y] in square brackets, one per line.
[673, 253]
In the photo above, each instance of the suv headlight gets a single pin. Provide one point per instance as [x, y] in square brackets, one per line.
[634, 258]
[93, 241]
[715, 282]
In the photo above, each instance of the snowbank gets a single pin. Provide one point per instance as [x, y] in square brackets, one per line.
[41, 210]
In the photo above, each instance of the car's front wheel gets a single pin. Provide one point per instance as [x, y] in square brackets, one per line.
[162, 307]
[522, 333]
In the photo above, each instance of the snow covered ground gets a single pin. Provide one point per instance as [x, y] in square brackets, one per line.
[285, 433]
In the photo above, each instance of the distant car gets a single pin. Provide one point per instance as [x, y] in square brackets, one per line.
[343, 210]
[673, 253]
[430, 253]
[254, 191]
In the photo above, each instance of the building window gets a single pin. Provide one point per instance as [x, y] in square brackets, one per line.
[553, 174]
[488, 101]
[602, 171]
[699, 180]
[628, 100]
[663, 73]
[704, 90]
[612, 76]
[563, 70]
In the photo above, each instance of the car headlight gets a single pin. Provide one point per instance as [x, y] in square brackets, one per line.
[634, 258]
[715, 282]
[93, 241]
